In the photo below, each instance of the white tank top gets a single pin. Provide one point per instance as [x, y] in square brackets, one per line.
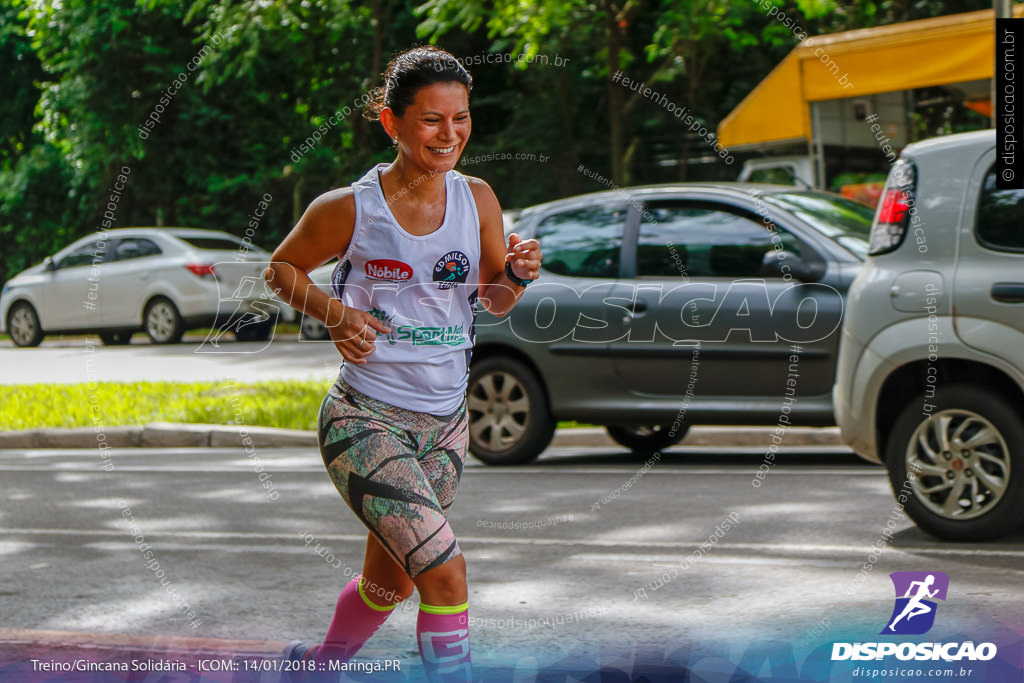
[423, 287]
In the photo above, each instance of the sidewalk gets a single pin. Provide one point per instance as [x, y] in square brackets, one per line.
[171, 435]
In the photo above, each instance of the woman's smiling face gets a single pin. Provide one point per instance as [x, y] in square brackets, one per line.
[434, 129]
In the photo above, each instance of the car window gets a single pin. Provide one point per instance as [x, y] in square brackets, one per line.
[583, 242]
[1000, 221]
[84, 255]
[840, 219]
[685, 239]
[213, 243]
[135, 247]
[777, 175]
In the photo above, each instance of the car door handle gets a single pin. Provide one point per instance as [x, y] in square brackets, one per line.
[636, 309]
[638, 306]
[1008, 292]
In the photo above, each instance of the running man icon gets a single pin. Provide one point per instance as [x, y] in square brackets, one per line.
[915, 607]
[912, 592]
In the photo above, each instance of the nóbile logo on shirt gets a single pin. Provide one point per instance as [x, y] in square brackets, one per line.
[388, 269]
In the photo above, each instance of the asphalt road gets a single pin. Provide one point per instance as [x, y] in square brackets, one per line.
[540, 543]
[195, 359]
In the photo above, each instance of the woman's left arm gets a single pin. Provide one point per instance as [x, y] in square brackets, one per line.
[498, 294]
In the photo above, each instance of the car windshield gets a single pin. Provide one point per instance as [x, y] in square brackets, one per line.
[216, 243]
[843, 220]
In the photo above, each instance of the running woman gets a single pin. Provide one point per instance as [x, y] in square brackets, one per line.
[418, 245]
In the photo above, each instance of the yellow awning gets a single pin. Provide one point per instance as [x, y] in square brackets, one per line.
[913, 54]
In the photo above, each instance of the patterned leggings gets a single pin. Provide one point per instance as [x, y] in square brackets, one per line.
[398, 470]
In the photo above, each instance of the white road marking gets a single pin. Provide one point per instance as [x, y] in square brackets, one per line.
[668, 561]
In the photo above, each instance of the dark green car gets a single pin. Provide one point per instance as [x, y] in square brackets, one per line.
[664, 306]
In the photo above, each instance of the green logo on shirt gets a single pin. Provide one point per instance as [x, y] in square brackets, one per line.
[387, 320]
[451, 335]
[432, 336]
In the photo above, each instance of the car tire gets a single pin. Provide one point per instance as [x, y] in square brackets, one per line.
[116, 338]
[162, 322]
[311, 329]
[647, 438]
[23, 325]
[974, 490]
[509, 419]
[255, 332]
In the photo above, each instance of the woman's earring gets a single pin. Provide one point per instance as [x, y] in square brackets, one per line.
[394, 140]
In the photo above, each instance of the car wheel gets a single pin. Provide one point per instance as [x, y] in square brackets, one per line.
[311, 329]
[115, 338]
[509, 419]
[961, 468]
[648, 439]
[23, 325]
[162, 322]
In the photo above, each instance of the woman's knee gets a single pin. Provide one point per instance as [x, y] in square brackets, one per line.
[444, 585]
[386, 593]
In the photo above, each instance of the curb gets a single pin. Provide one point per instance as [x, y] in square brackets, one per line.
[173, 435]
[160, 435]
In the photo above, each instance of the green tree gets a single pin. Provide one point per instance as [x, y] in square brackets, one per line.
[668, 44]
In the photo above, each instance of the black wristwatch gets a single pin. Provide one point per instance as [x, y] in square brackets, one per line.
[512, 276]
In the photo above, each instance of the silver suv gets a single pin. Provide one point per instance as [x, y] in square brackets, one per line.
[930, 377]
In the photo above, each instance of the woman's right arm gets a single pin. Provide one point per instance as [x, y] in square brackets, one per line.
[323, 232]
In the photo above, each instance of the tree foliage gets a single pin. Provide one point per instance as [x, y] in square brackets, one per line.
[231, 89]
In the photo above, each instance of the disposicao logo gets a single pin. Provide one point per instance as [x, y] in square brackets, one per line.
[914, 614]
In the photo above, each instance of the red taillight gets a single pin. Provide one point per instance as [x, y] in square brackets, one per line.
[895, 210]
[202, 270]
[894, 207]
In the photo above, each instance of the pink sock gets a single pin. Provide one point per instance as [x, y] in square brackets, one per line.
[443, 636]
[355, 620]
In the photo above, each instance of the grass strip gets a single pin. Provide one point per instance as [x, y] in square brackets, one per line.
[290, 404]
[287, 404]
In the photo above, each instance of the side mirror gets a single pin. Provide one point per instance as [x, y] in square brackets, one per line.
[781, 263]
[49, 264]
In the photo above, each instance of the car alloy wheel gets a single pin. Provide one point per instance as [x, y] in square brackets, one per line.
[23, 325]
[163, 323]
[962, 463]
[503, 408]
[509, 421]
